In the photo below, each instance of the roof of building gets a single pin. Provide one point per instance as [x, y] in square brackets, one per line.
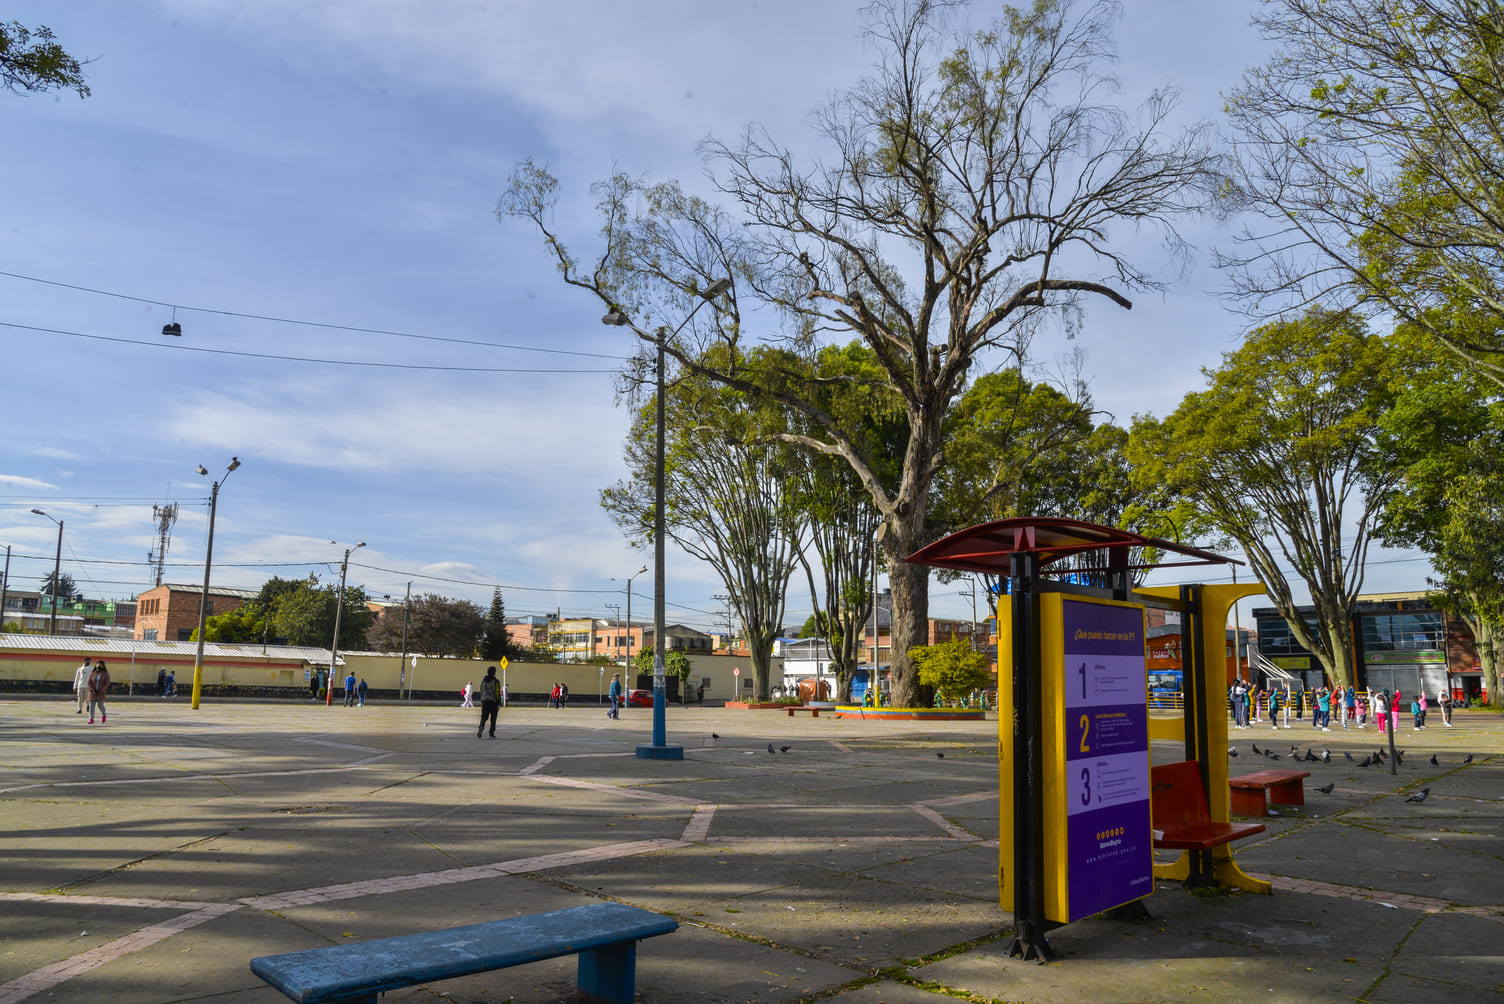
[178, 587]
[126, 647]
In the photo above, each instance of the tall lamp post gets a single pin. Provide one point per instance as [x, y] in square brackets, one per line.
[660, 750]
[339, 609]
[57, 569]
[634, 575]
[203, 600]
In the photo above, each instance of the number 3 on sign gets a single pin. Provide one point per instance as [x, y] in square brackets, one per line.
[1085, 786]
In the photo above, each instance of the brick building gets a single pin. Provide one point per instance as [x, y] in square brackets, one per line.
[170, 612]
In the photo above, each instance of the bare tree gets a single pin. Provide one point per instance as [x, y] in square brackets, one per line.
[1371, 149]
[971, 189]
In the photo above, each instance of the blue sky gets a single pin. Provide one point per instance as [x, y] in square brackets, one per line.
[340, 162]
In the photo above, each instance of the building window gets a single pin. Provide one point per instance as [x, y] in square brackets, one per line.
[150, 634]
[1404, 632]
[185, 634]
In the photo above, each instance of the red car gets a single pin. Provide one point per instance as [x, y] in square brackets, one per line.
[641, 698]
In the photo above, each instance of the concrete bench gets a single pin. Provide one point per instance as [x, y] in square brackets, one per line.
[1284, 787]
[814, 712]
[604, 935]
[1182, 821]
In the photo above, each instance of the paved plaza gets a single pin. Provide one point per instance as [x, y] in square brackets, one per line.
[150, 858]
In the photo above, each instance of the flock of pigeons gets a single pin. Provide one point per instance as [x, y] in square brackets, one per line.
[1377, 757]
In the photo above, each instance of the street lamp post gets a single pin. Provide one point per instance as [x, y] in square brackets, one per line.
[203, 600]
[634, 575]
[57, 569]
[339, 609]
[660, 750]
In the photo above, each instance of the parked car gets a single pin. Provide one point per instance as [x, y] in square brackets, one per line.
[641, 698]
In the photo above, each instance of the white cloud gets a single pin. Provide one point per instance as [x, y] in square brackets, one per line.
[27, 484]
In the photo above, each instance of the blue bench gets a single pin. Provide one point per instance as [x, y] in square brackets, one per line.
[604, 935]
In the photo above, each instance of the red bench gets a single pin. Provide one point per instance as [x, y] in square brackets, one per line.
[1182, 820]
[814, 712]
[1284, 787]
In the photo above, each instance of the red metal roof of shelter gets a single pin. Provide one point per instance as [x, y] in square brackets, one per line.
[989, 547]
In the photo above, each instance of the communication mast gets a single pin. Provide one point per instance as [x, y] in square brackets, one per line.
[166, 516]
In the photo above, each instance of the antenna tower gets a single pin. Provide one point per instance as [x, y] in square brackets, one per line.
[166, 516]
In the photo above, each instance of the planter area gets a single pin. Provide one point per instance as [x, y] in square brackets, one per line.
[912, 714]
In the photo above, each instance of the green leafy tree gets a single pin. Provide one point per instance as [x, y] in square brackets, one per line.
[970, 189]
[305, 615]
[496, 643]
[436, 625]
[245, 624]
[1370, 146]
[1447, 435]
[675, 663]
[952, 669]
[1281, 453]
[32, 61]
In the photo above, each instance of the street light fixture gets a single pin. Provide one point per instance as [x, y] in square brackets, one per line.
[629, 578]
[57, 568]
[660, 750]
[339, 609]
[203, 600]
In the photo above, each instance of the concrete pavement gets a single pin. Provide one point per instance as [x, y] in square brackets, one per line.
[150, 858]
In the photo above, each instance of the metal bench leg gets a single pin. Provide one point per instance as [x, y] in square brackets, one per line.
[609, 974]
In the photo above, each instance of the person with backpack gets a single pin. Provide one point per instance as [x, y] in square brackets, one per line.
[490, 701]
[614, 692]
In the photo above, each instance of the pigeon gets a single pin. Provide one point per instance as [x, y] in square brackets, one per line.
[1419, 796]
[1326, 789]
[1350, 757]
[1467, 759]
[940, 755]
[1232, 751]
[1366, 761]
[783, 749]
[1294, 748]
[770, 748]
[1433, 761]
[715, 735]
[1399, 757]
[1312, 757]
[1273, 756]
[1256, 750]
[1326, 756]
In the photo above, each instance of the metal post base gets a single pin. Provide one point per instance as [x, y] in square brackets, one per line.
[650, 752]
[1030, 944]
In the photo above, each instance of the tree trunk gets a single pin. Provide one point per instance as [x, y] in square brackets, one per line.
[761, 647]
[1487, 639]
[911, 605]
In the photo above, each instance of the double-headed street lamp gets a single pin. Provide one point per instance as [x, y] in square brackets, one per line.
[634, 575]
[203, 600]
[339, 609]
[660, 750]
[57, 568]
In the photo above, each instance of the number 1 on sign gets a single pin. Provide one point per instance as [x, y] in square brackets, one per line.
[1082, 671]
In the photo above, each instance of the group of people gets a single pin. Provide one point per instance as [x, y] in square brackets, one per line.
[167, 682]
[1249, 703]
[355, 693]
[559, 696]
[91, 685]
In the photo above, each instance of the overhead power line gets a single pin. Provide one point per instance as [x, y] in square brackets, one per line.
[312, 324]
[174, 346]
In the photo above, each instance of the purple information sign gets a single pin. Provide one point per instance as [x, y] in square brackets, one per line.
[1109, 844]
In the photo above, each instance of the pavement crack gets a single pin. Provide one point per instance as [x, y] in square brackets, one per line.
[127, 865]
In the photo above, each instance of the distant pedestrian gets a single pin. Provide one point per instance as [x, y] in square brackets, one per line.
[1323, 713]
[467, 696]
[1274, 708]
[700, 694]
[313, 685]
[1394, 710]
[490, 701]
[81, 685]
[1381, 710]
[1422, 702]
[563, 694]
[614, 692]
[1349, 706]
[360, 691]
[172, 684]
[161, 681]
[350, 691]
[553, 697]
[99, 688]
[1444, 700]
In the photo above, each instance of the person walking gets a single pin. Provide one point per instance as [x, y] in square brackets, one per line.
[172, 683]
[99, 688]
[490, 701]
[360, 691]
[350, 690]
[1444, 701]
[467, 696]
[1422, 702]
[563, 695]
[614, 692]
[1381, 710]
[1394, 710]
[81, 685]
[161, 681]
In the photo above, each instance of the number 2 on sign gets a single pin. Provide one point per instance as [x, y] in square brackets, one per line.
[1085, 728]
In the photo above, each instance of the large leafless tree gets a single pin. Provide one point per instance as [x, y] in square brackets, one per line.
[971, 186]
